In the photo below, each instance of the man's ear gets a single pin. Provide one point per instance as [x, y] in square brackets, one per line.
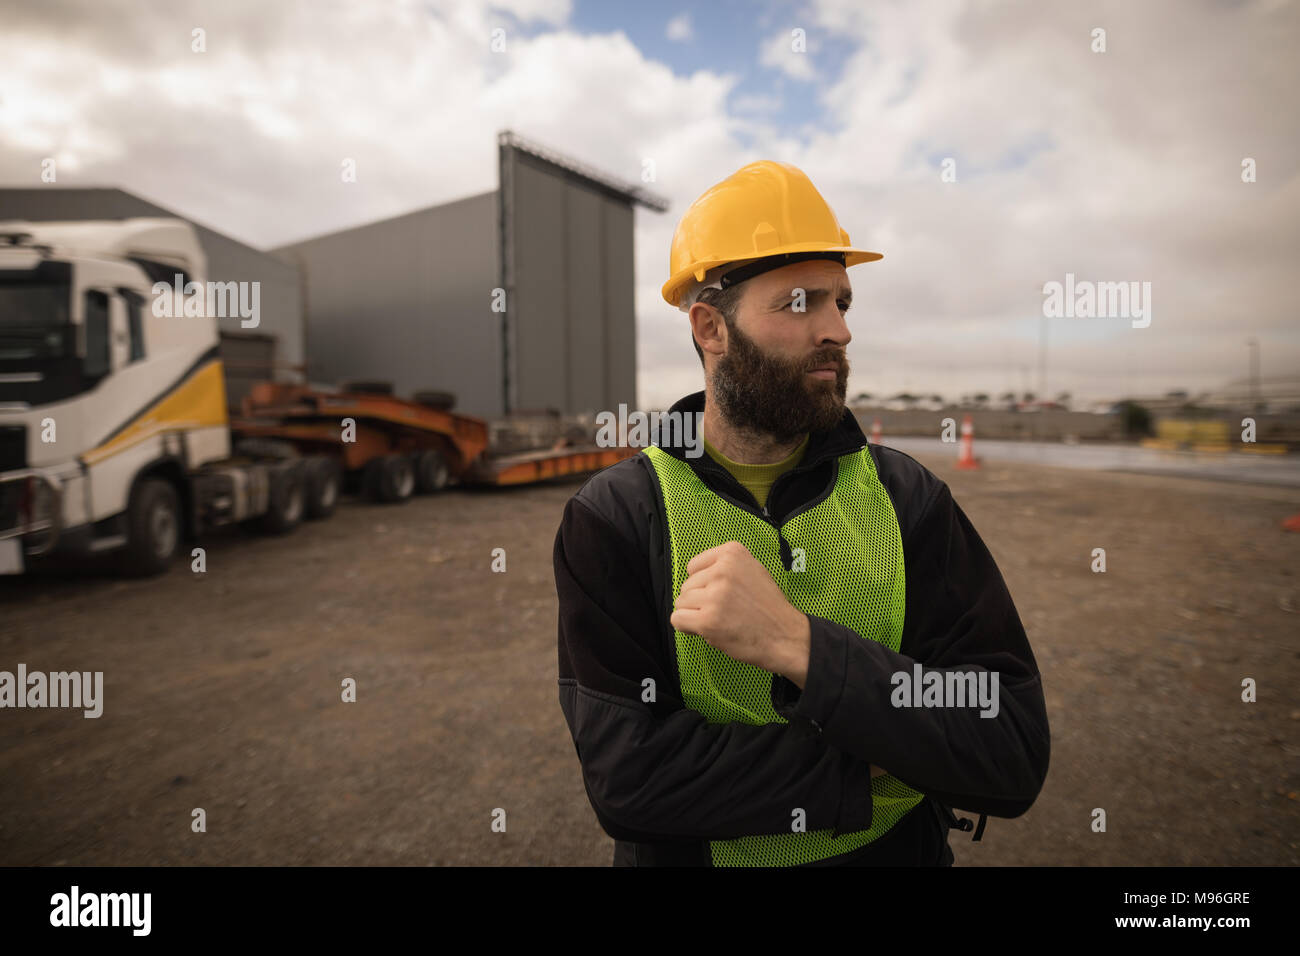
[709, 327]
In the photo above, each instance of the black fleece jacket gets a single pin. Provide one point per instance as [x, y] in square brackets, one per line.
[663, 782]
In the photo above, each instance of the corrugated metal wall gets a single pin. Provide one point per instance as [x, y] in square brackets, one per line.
[572, 312]
[280, 308]
[408, 301]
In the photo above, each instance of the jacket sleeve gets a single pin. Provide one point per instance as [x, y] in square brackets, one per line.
[657, 771]
[959, 617]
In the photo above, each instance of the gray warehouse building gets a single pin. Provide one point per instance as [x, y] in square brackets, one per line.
[275, 349]
[516, 300]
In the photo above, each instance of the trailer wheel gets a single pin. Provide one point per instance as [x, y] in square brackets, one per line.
[287, 502]
[442, 401]
[153, 527]
[389, 478]
[324, 483]
[371, 478]
[399, 475]
[431, 471]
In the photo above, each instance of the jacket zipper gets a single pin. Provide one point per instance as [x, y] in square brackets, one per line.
[784, 550]
[783, 546]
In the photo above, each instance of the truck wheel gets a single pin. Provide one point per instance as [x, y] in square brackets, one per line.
[153, 527]
[431, 471]
[287, 502]
[389, 478]
[324, 482]
[399, 478]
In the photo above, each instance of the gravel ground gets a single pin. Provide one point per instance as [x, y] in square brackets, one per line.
[222, 690]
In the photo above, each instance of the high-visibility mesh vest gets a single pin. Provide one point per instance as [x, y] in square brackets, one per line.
[847, 566]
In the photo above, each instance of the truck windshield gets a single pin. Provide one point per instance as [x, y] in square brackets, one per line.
[34, 320]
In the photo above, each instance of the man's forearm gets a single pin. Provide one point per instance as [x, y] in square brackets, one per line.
[991, 764]
[681, 777]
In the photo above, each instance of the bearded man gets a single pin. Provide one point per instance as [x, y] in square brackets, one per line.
[733, 626]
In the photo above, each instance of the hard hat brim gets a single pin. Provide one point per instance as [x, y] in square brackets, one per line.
[672, 289]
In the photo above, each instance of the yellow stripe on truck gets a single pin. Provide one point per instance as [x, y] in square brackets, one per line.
[198, 401]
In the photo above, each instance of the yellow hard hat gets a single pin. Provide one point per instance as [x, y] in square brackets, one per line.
[762, 210]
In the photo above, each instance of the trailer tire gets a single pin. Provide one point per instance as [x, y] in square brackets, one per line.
[399, 477]
[287, 502]
[389, 478]
[442, 401]
[153, 527]
[366, 387]
[324, 485]
[431, 471]
[371, 478]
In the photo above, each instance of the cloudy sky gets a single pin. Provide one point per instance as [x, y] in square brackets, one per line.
[1123, 165]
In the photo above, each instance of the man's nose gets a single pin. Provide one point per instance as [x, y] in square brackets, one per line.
[832, 329]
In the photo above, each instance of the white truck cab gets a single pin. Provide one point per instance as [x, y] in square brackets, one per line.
[113, 425]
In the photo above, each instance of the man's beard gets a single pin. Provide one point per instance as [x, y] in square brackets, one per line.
[764, 394]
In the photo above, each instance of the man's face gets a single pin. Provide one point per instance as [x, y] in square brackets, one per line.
[765, 381]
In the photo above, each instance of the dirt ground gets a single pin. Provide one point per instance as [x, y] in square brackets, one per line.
[222, 690]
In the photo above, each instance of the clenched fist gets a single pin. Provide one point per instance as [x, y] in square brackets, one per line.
[730, 600]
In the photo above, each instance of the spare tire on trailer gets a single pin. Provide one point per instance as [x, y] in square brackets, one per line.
[442, 401]
[324, 485]
[367, 387]
[579, 436]
[431, 471]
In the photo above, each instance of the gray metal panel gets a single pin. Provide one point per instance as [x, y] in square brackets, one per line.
[539, 303]
[279, 306]
[408, 301]
[574, 316]
[585, 314]
[620, 305]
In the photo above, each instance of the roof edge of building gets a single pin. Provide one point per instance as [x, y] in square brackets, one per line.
[286, 247]
[635, 195]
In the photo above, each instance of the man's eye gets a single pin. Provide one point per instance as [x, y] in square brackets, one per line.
[844, 305]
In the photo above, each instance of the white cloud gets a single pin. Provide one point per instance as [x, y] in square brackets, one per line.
[756, 103]
[554, 12]
[680, 29]
[789, 53]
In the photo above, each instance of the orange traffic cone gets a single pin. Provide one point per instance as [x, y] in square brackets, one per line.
[966, 460]
[1292, 523]
[875, 432]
